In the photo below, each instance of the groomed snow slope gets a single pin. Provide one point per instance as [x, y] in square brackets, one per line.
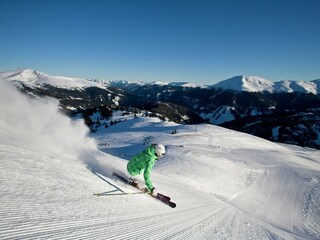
[227, 185]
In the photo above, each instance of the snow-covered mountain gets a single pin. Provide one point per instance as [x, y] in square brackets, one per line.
[238, 83]
[258, 84]
[176, 84]
[134, 85]
[226, 184]
[246, 83]
[73, 93]
[33, 78]
[284, 111]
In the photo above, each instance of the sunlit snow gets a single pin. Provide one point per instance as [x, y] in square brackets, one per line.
[226, 184]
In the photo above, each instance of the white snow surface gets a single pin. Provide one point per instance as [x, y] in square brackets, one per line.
[35, 78]
[253, 83]
[177, 84]
[246, 83]
[296, 86]
[226, 184]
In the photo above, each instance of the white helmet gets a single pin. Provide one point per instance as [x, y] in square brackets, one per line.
[159, 150]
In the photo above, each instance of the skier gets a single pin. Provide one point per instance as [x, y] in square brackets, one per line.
[143, 163]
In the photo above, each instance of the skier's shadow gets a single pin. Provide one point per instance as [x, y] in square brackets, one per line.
[117, 189]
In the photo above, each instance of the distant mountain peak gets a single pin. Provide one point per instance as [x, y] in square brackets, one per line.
[252, 83]
[248, 83]
[21, 75]
[297, 86]
[34, 78]
[176, 84]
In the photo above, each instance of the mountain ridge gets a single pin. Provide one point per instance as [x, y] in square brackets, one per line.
[35, 78]
[245, 83]
[289, 115]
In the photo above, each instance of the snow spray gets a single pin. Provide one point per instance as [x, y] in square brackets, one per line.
[36, 124]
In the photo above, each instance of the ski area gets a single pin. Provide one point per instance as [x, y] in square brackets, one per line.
[226, 184]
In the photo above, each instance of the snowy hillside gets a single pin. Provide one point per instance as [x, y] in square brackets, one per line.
[246, 83]
[220, 115]
[257, 84]
[317, 83]
[124, 84]
[176, 84]
[34, 78]
[227, 185]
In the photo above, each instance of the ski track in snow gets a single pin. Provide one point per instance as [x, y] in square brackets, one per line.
[191, 223]
[28, 214]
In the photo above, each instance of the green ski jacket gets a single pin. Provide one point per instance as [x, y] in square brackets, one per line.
[143, 163]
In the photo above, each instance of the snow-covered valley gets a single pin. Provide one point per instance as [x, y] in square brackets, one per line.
[227, 185]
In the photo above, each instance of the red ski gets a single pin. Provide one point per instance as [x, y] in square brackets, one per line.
[163, 198]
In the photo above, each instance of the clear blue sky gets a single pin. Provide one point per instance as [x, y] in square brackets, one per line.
[167, 40]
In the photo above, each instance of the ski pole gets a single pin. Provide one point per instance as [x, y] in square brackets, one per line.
[117, 194]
